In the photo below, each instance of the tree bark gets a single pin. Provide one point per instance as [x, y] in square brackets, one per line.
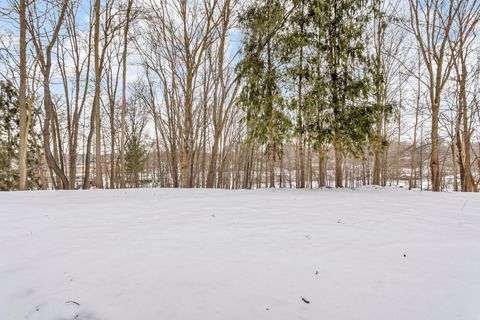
[124, 96]
[22, 98]
[96, 100]
[338, 165]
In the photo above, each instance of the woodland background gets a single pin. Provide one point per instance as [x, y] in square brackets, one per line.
[239, 94]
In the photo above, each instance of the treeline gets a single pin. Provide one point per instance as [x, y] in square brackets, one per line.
[231, 94]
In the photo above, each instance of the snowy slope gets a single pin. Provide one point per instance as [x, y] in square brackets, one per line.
[157, 254]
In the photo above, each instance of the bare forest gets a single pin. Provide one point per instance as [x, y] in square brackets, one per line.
[239, 94]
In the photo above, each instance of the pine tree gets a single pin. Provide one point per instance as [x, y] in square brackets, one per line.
[8, 136]
[9, 142]
[267, 120]
[135, 157]
[347, 115]
[295, 47]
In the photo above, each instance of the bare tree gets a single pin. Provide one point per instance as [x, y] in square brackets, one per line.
[76, 48]
[110, 28]
[431, 23]
[124, 94]
[465, 26]
[36, 22]
[22, 95]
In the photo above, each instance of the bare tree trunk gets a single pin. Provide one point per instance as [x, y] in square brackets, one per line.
[124, 95]
[434, 161]
[399, 145]
[96, 100]
[322, 172]
[379, 89]
[454, 166]
[271, 164]
[22, 98]
[413, 165]
[338, 165]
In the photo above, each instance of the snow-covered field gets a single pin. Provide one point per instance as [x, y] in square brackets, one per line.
[157, 254]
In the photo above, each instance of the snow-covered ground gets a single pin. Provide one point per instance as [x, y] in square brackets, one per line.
[157, 254]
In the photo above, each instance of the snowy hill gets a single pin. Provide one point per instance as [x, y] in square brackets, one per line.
[155, 254]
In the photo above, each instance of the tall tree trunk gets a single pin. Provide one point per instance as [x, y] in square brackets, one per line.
[113, 132]
[379, 90]
[124, 96]
[22, 98]
[96, 100]
[463, 139]
[301, 140]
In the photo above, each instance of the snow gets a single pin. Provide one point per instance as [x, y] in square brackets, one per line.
[153, 254]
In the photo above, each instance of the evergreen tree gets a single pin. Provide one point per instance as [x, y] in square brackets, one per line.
[9, 141]
[8, 136]
[135, 157]
[347, 115]
[316, 62]
[267, 120]
[295, 45]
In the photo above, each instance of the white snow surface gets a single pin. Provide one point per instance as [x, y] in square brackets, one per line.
[166, 254]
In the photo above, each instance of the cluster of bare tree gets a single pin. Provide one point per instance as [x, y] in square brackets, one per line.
[146, 93]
